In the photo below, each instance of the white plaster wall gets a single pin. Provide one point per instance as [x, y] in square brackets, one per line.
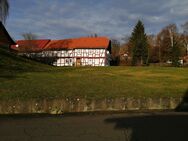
[93, 61]
[71, 55]
[89, 52]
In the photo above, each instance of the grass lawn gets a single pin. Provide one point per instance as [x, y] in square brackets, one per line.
[25, 79]
[96, 82]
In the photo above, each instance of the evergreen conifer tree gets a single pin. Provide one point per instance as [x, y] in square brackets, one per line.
[139, 45]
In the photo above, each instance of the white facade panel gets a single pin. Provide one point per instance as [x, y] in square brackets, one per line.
[58, 61]
[70, 53]
[102, 62]
[59, 54]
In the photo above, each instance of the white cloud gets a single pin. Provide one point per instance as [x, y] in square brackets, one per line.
[113, 18]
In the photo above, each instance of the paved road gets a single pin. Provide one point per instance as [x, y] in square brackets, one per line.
[106, 127]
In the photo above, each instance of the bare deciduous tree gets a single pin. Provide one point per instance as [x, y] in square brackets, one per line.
[29, 36]
[185, 28]
[4, 10]
[165, 41]
[30, 45]
[115, 51]
[185, 36]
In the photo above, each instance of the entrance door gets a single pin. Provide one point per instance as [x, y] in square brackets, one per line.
[78, 62]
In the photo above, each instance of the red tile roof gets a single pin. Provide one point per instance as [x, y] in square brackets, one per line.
[39, 44]
[84, 42]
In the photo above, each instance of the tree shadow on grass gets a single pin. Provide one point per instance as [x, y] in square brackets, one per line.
[168, 127]
[183, 106]
[6, 74]
[10, 74]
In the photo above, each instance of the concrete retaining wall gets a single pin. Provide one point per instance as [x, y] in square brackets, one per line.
[60, 106]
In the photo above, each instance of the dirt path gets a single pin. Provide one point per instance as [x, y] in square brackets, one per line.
[108, 127]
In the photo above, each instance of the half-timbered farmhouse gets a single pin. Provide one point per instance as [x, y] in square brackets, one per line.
[85, 51]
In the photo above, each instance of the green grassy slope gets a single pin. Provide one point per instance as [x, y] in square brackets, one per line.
[27, 79]
[10, 62]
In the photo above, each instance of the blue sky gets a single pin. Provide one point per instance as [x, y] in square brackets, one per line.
[58, 19]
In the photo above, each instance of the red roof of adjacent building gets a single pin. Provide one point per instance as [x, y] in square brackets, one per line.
[84, 42]
[38, 44]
